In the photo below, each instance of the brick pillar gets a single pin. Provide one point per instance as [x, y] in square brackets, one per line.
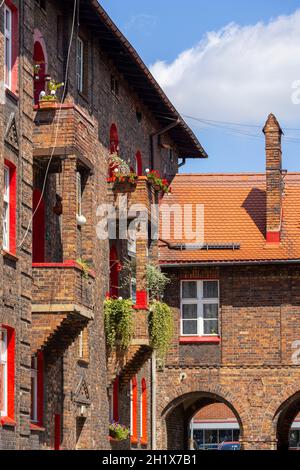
[141, 262]
[69, 223]
[274, 188]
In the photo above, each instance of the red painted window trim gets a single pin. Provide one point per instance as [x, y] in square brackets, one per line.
[144, 436]
[134, 391]
[57, 424]
[12, 206]
[40, 388]
[15, 46]
[116, 400]
[199, 339]
[139, 163]
[11, 346]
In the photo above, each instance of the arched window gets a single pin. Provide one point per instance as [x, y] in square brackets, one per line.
[133, 410]
[114, 272]
[138, 163]
[114, 139]
[40, 65]
[144, 413]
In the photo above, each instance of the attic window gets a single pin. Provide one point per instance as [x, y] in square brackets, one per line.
[114, 85]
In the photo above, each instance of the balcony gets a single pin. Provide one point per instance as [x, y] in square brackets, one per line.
[71, 129]
[63, 300]
[141, 193]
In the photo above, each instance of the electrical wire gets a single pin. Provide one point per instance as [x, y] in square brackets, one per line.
[2, 3]
[57, 127]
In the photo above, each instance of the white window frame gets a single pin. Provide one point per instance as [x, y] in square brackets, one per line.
[6, 207]
[34, 376]
[131, 408]
[80, 58]
[3, 361]
[199, 301]
[7, 38]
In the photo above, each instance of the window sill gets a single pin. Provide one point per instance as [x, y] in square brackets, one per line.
[36, 427]
[144, 442]
[134, 441]
[9, 255]
[199, 339]
[6, 421]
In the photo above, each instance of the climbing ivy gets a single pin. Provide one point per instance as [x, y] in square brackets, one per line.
[118, 322]
[161, 326]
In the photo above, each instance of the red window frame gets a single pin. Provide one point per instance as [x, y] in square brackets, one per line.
[114, 272]
[12, 206]
[144, 430]
[15, 46]
[11, 346]
[38, 227]
[134, 407]
[139, 163]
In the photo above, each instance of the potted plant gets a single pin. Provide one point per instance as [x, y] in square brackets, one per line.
[121, 175]
[159, 184]
[50, 100]
[118, 431]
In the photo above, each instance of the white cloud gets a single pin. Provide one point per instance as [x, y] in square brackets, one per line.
[142, 23]
[239, 73]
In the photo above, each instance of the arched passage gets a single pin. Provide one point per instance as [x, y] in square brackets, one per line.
[179, 413]
[138, 163]
[114, 139]
[285, 417]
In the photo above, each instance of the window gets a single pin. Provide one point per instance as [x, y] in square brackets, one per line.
[144, 413]
[7, 46]
[138, 163]
[9, 207]
[133, 410]
[199, 308]
[34, 390]
[80, 61]
[7, 373]
[6, 210]
[115, 400]
[114, 85]
[37, 389]
[83, 348]
[3, 372]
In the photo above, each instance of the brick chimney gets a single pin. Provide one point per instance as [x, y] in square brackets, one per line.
[274, 182]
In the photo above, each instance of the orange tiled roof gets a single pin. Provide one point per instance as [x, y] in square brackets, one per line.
[235, 212]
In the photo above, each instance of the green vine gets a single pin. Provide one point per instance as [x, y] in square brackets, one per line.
[156, 279]
[118, 322]
[161, 327]
[84, 266]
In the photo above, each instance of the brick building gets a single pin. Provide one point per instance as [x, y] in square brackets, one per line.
[55, 388]
[236, 303]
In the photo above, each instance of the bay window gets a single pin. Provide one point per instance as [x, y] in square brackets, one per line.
[200, 308]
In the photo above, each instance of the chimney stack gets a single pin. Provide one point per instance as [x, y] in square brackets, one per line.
[274, 183]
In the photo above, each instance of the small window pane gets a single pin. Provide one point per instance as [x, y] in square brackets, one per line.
[189, 311]
[211, 327]
[210, 290]
[189, 327]
[210, 310]
[189, 290]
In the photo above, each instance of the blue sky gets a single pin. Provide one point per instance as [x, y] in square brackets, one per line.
[238, 74]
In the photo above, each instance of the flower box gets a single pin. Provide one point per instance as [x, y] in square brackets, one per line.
[48, 104]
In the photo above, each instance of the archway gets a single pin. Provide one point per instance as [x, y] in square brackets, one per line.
[180, 413]
[288, 424]
[114, 139]
[40, 65]
[138, 163]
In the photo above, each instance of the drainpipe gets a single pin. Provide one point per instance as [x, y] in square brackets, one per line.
[153, 401]
[156, 134]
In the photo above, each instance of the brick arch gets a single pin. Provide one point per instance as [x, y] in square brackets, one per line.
[198, 395]
[288, 398]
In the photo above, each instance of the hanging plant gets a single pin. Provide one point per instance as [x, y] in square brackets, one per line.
[84, 266]
[161, 327]
[159, 184]
[118, 322]
[156, 281]
[118, 431]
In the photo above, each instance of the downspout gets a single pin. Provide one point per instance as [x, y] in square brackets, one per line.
[156, 134]
[153, 400]
[182, 163]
